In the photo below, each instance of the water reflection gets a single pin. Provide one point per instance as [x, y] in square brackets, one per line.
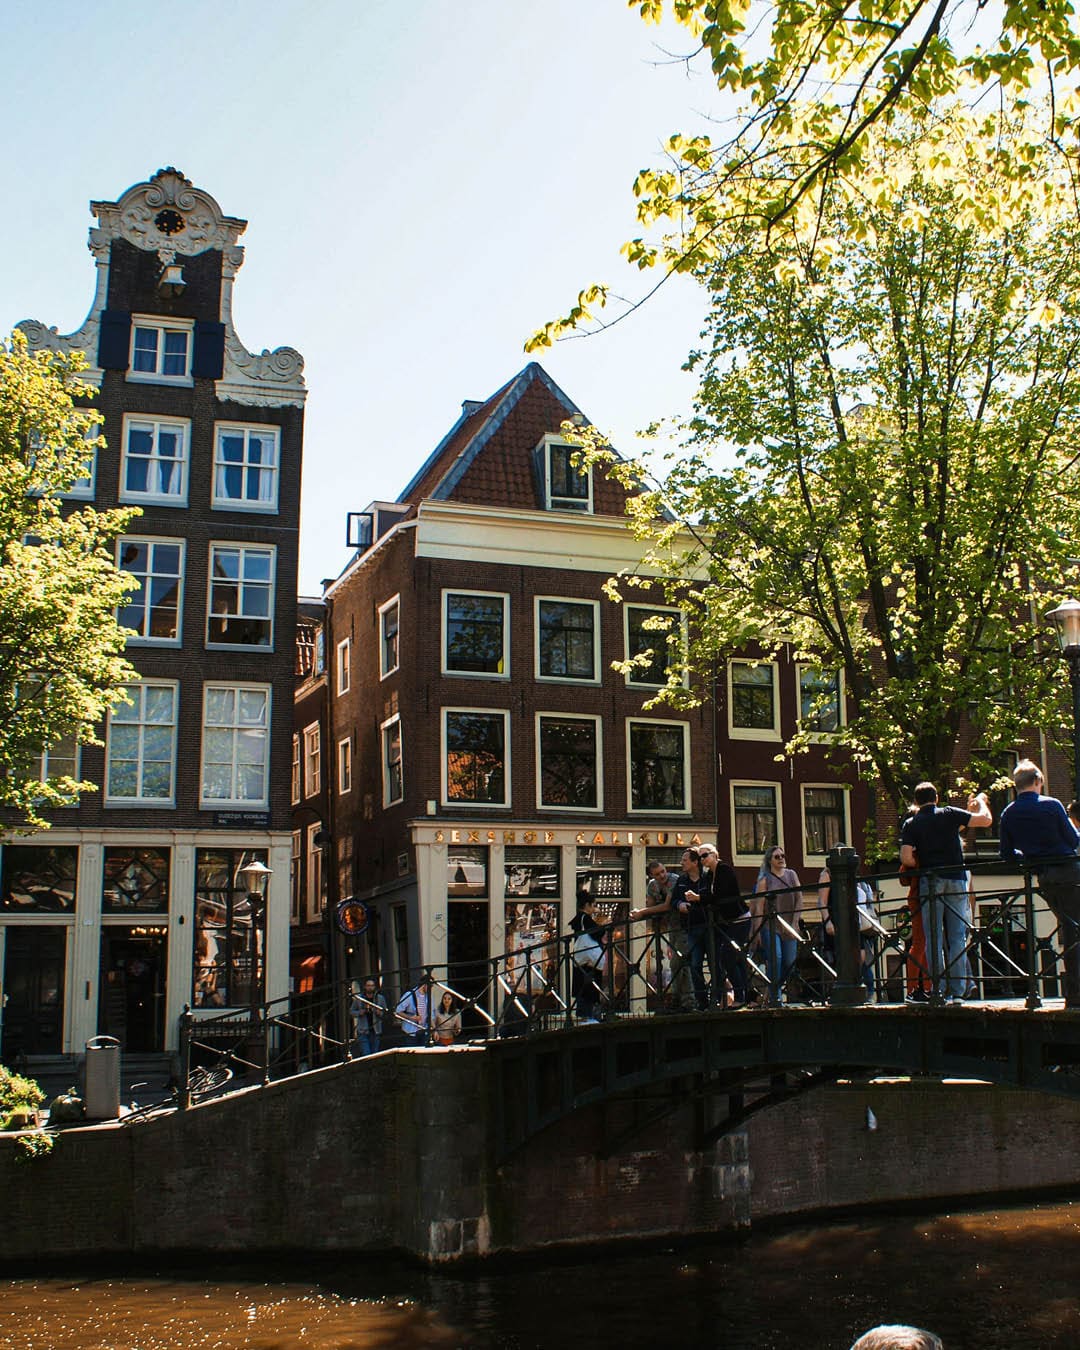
[981, 1281]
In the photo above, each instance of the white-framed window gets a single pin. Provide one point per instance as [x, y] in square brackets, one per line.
[389, 624]
[344, 766]
[295, 875]
[476, 634]
[344, 666]
[154, 460]
[160, 349]
[658, 765]
[245, 467]
[826, 819]
[235, 745]
[393, 780]
[240, 606]
[569, 762]
[295, 774]
[316, 873]
[82, 489]
[59, 761]
[567, 640]
[476, 756]
[754, 700]
[140, 748]
[647, 629]
[566, 487]
[312, 759]
[756, 823]
[821, 700]
[153, 611]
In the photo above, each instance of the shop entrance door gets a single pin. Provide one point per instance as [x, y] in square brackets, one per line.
[33, 1013]
[132, 1002]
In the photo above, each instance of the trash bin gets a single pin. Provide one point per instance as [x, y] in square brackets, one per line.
[102, 1094]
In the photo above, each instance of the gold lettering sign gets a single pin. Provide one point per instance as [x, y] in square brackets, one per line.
[509, 836]
[440, 837]
[474, 837]
[598, 838]
[580, 836]
[661, 837]
[614, 836]
[529, 836]
[455, 836]
[491, 836]
[643, 839]
[696, 839]
[549, 836]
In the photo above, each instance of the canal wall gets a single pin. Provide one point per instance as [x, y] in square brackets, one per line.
[394, 1153]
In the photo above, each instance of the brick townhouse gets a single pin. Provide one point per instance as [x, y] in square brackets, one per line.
[135, 903]
[488, 764]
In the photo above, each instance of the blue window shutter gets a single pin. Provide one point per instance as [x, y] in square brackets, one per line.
[114, 339]
[208, 360]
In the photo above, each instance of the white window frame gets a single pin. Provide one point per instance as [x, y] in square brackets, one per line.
[311, 763]
[83, 489]
[504, 713]
[680, 624]
[183, 425]
[841, 700]
[384, 727]
[314, 870]
[753, 733]
[161, 326]
[343, 667]
[566, 600]
[344, 766]
[296, 862]
[294, 778]
[845, 791]
[383, 611]
[597, 722]
[246, 429]
[136, 692]
[226, 803]
[687, 778]
[778, 799]
[581, 506]
[40, 769]
[152, 541]
[243, 549]
[504, 596]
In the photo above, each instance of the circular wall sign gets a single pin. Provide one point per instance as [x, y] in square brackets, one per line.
[352, 917]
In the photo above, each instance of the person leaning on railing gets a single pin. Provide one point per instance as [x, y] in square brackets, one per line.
[732, 920]
[1036, 830]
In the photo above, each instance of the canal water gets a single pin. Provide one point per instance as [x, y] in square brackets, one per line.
[982, 1281]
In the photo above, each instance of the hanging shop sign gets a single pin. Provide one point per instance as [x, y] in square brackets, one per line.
[353, 917]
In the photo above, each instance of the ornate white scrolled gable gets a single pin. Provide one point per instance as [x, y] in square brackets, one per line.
[169, 216]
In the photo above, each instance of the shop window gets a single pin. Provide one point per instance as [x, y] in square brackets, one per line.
[466, 871]
[230, 931]
[604, 872]
[532, 871]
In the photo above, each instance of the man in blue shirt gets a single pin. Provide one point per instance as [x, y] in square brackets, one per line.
[930, 839]
[1036, 830]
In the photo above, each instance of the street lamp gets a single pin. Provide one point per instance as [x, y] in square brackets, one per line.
[1067, 618]
[254, 877]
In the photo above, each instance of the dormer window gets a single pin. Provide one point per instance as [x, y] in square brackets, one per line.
[566, 487]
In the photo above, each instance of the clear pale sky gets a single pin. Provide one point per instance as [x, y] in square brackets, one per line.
[425, 184]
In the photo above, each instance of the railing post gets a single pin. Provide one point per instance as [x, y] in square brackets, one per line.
[774, 963]
[716, 983]
[1033, 1000]
[430, 1004]
[187, 1018]
[849, 991]
[265, 1022]
[347, 1019]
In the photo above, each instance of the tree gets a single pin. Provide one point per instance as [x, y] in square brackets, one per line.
[818, 78]
[901, 405]
[61, 663]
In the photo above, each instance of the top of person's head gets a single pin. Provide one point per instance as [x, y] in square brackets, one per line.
[692, 854]
[925, 793]
[584, 899]
[1027, 774]
[898, 1338]
[708, 851]
[654, 865]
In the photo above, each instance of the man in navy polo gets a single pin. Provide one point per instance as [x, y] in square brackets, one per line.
[931, 839]
[1037, 830]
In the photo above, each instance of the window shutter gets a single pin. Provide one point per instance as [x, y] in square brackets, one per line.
[539, 463]
[208, 360]
[114, 339]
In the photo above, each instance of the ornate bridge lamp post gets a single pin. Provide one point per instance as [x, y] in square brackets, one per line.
[255, 877]
[1067, 619]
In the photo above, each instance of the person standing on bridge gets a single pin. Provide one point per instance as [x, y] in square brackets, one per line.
[1036, 830]
[670, 933]
[930, 839]
[777, 925]
[690, 898]
[731, 925]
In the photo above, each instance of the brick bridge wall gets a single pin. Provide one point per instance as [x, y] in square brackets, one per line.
[392, 1153]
